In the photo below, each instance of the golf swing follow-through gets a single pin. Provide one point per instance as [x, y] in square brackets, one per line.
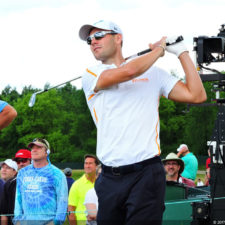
[123, 98]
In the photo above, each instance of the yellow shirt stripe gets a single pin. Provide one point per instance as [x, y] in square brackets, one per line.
[91, 73]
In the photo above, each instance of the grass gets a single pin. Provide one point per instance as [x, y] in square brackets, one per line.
[77, 174]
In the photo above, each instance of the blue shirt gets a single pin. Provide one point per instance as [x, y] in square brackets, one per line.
[41, 196]
[3, 104]
[70, 181]
[190, 166]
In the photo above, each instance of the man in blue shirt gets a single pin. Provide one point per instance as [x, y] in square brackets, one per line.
[42, 193]
[7, 114]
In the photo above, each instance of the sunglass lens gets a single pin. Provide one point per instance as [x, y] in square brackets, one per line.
[97, 36]
[21, 161]
[89, 40]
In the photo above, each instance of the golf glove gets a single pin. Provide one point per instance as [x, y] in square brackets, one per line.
[176, 48]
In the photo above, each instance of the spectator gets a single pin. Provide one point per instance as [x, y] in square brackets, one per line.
[79, 189]
[190, 162]
[8, 169]
[174, 166]
[23, 158]
[7, 114]
[199, 182]
[41, 191]
[91, 202]
[70, 180]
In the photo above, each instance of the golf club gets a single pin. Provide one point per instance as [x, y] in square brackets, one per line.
[33, 97]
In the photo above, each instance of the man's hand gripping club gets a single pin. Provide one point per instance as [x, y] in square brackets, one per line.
[175, 48]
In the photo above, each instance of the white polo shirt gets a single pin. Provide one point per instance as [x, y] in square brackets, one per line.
[126, 115]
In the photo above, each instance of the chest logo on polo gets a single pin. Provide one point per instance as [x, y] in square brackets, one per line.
[140, 80]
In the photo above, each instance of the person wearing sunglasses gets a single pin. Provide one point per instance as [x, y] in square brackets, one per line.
[41, 191]
[123, 98]
[22, 158]
[174, 166]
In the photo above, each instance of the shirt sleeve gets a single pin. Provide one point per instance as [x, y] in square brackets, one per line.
[90, 78]
[3, 104]
[90, 196]
[18, 212]
[166, 81]
[62, 199]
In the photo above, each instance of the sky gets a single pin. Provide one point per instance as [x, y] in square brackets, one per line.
[39, 41]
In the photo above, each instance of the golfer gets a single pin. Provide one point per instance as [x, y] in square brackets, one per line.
[123, 98]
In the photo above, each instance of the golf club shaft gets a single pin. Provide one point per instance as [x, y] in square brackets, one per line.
[76, 78]
[33, 96]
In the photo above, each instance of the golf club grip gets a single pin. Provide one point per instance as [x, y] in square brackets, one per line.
[179, 38]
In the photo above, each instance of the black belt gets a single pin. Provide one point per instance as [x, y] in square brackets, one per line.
[122, 170]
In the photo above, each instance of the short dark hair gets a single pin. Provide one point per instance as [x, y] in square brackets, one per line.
[93, 157]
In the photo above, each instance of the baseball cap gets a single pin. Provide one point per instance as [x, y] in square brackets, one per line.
[10, 163]
[23, 153]
[101, 24]
[173, 157]
[67, 171]
[182, 146]
[39, 142]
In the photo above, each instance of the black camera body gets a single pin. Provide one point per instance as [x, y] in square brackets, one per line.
[210, 49]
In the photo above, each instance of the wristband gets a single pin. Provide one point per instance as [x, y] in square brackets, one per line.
[161, 46]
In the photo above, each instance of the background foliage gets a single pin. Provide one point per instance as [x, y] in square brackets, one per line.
[62, 117]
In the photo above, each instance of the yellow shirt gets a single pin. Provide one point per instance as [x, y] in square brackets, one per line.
[77, 196]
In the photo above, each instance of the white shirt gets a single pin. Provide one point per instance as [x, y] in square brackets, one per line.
[126, 115]
[91, 197]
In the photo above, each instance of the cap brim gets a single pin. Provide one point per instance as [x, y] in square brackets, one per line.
[85, 31]
[35, 143]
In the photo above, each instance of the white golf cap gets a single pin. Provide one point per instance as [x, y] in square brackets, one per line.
[182, 146]
[10, 163]
[101, 24]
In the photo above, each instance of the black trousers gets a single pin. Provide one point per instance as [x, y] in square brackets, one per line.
[133, 198]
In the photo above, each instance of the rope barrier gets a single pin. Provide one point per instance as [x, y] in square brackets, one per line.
[67, 213]
[89, 211]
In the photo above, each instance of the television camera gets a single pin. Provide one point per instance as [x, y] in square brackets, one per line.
[211, 49]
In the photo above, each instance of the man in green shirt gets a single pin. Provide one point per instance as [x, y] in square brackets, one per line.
[79, 189]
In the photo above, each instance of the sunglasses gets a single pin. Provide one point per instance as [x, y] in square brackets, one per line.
[98, 35]
[171, 163]
[21, 161]
[41, 140]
